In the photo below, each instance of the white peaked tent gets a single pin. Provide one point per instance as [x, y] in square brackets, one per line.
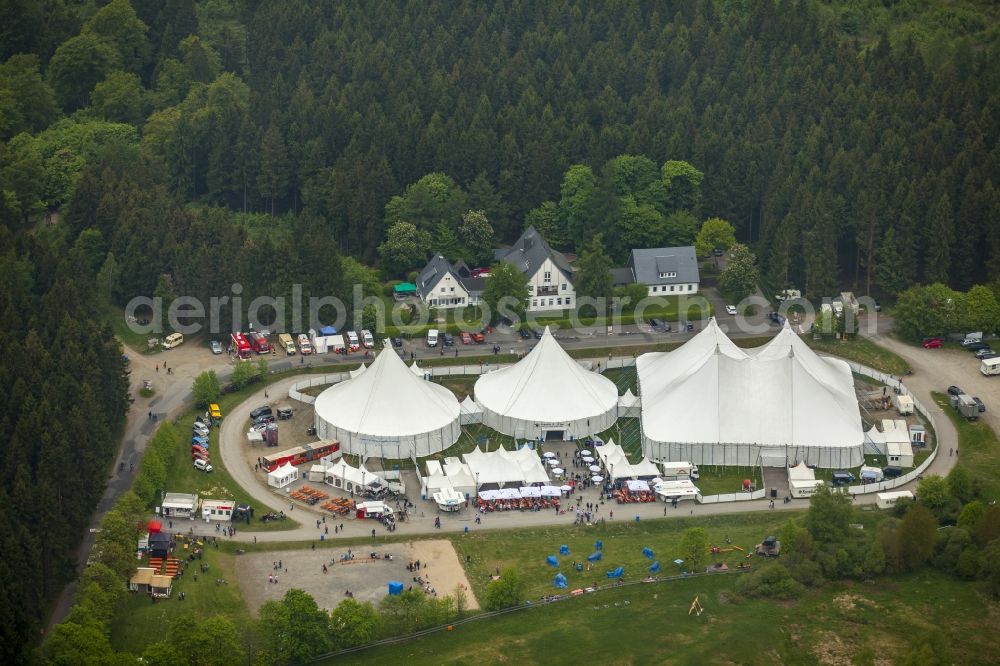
[282, 476]
[802, 481]
[547, 394]
[357, 373]
[711, 402]
[628, 405]
[617, 466]
[388, 412]
[417, 370]
[522, 467]
[352, 479]
[471, 412]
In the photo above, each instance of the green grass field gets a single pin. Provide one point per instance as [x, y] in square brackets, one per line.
[140, 622]
[979, 450]
[848, 623]
[862, 351]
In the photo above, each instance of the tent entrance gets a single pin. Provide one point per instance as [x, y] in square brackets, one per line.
[555, 435]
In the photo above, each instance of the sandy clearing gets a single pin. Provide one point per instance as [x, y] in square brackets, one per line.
[366, 579]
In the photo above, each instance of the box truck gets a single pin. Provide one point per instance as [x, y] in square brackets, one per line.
[287, 343]
[305, 347]
[888, 500]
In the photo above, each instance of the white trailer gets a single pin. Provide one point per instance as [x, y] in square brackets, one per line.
[888, 500]
[903, 404]
[990, 366]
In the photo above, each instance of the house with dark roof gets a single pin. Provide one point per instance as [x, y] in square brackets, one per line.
[665, 271]
[550, 277]
[440, 284]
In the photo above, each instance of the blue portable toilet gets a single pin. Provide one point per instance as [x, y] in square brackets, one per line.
[564, 550]
[593, 557]
[552, 561]
[598, 545]
[648, 552]
[395, 588]
[560, 581]
[654, 567]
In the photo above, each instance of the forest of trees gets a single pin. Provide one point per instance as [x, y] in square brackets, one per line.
[179, 146]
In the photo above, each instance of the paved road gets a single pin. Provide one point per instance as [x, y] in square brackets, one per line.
[931, 368]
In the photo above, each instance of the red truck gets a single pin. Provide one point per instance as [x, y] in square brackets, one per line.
[240, 346]
[259, 343]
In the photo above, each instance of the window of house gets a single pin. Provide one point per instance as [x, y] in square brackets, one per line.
[444, 289]
[453, 289]
[559, 301]
[690, 287]
[569, 300]
[534, 302]
[668, 274]
[671, 287]
[550, 301]
[548, 276]
[564, 286]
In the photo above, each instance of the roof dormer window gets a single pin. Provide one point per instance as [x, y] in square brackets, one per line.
[668, 274]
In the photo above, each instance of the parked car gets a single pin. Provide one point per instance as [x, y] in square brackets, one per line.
[216, 347]
[449, 339]
[466, 338]
[203, 465]
[264, 418]
[842, 478]
[954, 390]
[718, 252]
[983, 352]
[524, 333]
[933, 343]
[731, 310]
[397, 342]
[777, 318]
[656, 324]
[975, 346]
[988, 356]
[979, 403]
[892, 472]
[478, 338]
[260, 411]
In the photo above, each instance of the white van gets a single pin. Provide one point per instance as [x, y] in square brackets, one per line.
[367, 339]
[888, 500]
[432, 337]
[172, 340]
[990, 366]
[203, 465]
[352, 341]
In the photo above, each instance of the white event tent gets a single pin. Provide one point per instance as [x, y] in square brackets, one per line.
[522, 467]
[386, 411]
[547, 395]
[346, 477]
[711, 402]
[617, 466]
[282, 476]
[802, 481]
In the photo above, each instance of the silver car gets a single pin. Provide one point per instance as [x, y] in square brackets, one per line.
[216, 347]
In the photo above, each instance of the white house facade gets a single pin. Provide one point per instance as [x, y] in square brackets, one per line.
[440, 285]
[549, 274]
[666, 271]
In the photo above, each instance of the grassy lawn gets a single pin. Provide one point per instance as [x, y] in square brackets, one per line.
[845, 623]
[627, 434]
[719, 480]
[137, 341]
[460, 385]
[140, 622]
[526, 549]
[474, 434]
[979, 449]
[624, 379]
[862, 351]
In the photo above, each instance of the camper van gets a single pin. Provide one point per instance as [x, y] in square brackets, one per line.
[172, 340]
[990, 366]
[888, 500]
[903, 404]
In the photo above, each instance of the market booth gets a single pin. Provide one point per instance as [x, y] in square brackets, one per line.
[282, 476]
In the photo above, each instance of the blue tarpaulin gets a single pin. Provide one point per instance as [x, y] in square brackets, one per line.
[648, 552]
[654, 567]
[593, 557]
[564, 550]
[395, 588]
[560, 581]
[552, 561]
[328, 330]
[616, 573]
[598, 545]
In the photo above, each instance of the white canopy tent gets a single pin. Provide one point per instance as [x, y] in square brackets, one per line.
[711, 402]
[282, 476]
[617, 465]
[454, 475]
[388, 412]
[352, 479]
[471, 412]
[802, 481]
[522, 467]
[679, 489]
[629, 405]
[547, 394]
